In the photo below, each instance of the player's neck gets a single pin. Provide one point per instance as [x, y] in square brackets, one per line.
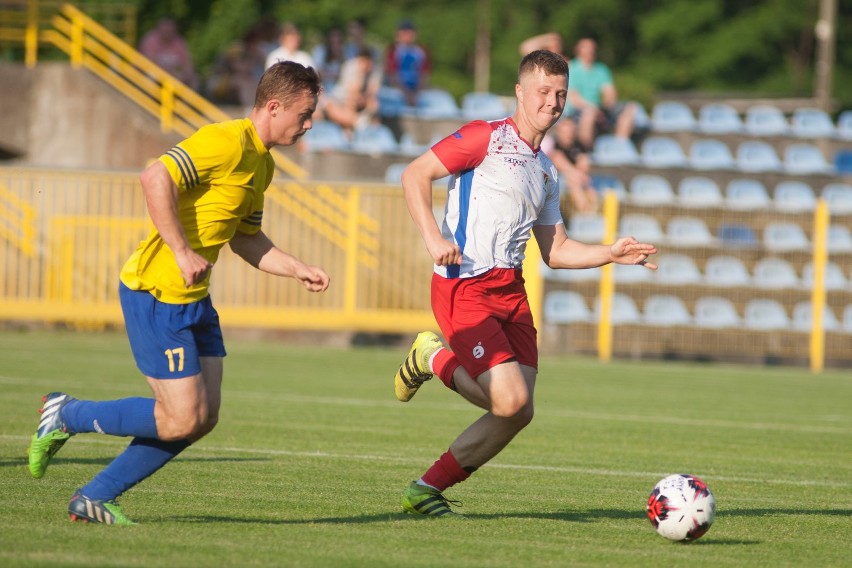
[529, 133]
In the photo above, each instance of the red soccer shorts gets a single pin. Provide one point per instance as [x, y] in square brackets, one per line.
[486, 319]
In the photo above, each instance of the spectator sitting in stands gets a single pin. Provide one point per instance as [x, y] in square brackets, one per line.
[592, 94]
[573, 163]
[328, 57]
[236, 72]
[407, 64]
[357, 40]
[290, 40]
[353, 102]
[164, 46]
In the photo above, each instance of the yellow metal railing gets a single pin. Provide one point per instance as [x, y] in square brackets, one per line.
[17, 222]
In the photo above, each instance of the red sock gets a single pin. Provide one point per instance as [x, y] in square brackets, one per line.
[445, 472]
[444, 365]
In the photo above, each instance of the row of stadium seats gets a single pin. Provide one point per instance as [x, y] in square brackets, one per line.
[710, 312]
[687, 231]
[740, 193]
[759, 120]
[724, 271]
[439, 104]
[754, 156]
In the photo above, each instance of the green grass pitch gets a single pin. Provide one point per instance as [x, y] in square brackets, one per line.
[312, 452]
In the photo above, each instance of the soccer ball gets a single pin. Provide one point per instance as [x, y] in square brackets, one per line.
[681, 507]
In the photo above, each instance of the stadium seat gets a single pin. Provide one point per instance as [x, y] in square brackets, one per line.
[782, 236]
[775, 273]
[838, 196]
[569, 275]
[839, 239]
[641, 120]
[393, 173]
[565, 306]
[665, 310]
[736, 235]
[747, 194]
[623, 311]
[644, 227]
[803, 320]
[325, 135]
[719, 118]
[699, 191]
[765, 120]
[662, 152]
[604, 183]
[843, 162]
[765, 315]
[710, 155]
[833, 280]
[757, 156]
[688, 232]
[672, 116]
[716, 312]
[793, 196]
[586, 228]
[392, 101]
[811, 123]
[437, 104]
[726, 271]
[630, 274]
[651, 189]
[610, 150]
[375, 139]
[677, 269]
[483, 106]
[847, 318]
[844, 125]
[804, 158]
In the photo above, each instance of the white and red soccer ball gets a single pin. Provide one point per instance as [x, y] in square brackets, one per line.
[681, 507]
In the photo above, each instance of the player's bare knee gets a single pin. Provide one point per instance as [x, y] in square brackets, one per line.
[511, 407]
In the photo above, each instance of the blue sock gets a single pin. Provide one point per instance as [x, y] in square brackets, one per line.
[123, 417]
[140, 460]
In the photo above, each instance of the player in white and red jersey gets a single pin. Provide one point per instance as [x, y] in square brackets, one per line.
[502, 187]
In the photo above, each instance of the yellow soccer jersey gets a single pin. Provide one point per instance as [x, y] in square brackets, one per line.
[221, 172]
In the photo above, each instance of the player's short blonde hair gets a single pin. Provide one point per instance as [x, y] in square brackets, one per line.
[286, 81]
[549, 62]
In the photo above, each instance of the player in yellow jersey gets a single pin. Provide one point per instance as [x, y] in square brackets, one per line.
[203, 193]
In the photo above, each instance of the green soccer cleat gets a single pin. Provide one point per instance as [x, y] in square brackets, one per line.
[86, 510]
[427, 501]
[51, 434]
[414, 371]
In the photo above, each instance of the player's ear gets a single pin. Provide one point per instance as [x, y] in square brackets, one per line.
[273, 106]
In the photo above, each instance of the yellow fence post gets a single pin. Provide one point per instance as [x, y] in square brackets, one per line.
[607, 284]
[350, 290]
[820, 259]
[31, 35]
[533, 281]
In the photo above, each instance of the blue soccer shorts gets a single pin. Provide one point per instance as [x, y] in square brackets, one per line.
[168, 340]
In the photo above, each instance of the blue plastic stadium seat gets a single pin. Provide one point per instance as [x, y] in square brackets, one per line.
[834, 278]
[610, 150]
[765, 315]
[651, 189]
[623, 309]
[641, 120]
[375, 139]
[847, 318]
[392, 101]
[747, 194]
[483, 106]
[839, 239]
[665, 310]
[843, 162]
[726, 271]
[436, 104]
[736, 235]
[844, 125]
[719, 118]
[586, 228]
[838, 196]
[565, 306]
[325, 135]
[775, 273]
[604, 183]
[676, 270]
[757, 156]
[802, 319]
[710, 155]
[805, 158]
[393, 173]
[699, 191]
[688, 232]
[662, 152]
[672, 116]
[716, 312]
[792, 196]
[785, 236]
[765, 120]
[811, 123]
[644, 227]
[631, 274]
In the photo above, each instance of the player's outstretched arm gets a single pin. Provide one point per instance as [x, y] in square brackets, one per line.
[261, 253]
[558, 251]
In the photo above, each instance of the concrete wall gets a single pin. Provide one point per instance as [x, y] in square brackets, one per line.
[56, 116]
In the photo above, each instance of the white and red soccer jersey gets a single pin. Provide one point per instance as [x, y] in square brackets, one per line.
[500, 188]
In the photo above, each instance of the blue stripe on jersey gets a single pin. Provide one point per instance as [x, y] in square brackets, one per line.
[179, 161]
[190, 163]
[465, 186]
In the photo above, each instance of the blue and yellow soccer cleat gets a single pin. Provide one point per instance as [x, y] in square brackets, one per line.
[427, 501]
[51, 434]
[86, 510]
[414, 371]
